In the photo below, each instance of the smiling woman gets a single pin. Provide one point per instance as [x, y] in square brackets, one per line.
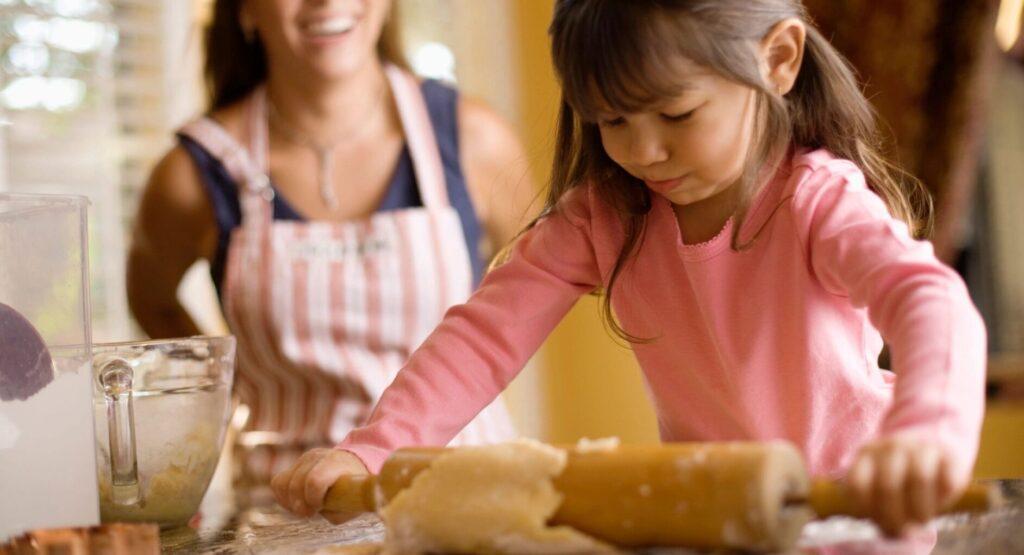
[341, 203]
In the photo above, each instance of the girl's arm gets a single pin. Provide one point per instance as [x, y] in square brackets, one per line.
[481, 345]
[920, 306]
[927, 442]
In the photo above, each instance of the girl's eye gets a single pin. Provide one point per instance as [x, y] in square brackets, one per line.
[613, 122]
[679, 117]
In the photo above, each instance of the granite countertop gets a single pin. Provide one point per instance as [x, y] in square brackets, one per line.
[267, 529]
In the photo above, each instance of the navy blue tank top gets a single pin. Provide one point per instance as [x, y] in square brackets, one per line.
[402, 191]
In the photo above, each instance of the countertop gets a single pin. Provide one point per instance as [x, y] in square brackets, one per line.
[267, 529]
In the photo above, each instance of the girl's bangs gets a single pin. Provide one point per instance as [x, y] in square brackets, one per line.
[619, 62]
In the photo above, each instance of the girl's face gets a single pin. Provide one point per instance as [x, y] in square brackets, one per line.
[329, 38]
[689, 147]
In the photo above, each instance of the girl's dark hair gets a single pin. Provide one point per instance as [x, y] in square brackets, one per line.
[237, 64]
[626, 56]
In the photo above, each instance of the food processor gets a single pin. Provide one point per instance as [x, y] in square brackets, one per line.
[123, 432]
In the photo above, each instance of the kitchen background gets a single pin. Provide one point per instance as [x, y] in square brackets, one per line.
[91, 91]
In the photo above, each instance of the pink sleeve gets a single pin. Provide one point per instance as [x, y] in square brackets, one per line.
[920, 306]
[481, 345]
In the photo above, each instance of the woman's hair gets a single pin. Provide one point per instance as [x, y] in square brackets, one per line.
[627, 55]
[236, 64]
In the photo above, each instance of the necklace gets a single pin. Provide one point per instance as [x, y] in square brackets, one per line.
[324, 152]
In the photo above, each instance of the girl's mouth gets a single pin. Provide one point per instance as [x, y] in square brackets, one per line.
[666, 185]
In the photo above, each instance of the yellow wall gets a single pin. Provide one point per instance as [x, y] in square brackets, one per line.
[590, 386]
[1002, 442]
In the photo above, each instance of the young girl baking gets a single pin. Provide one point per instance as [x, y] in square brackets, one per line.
[718, 179]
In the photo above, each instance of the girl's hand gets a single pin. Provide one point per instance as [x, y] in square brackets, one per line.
[902, 481]
[301, 489]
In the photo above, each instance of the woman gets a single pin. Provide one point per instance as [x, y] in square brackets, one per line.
[341, 204]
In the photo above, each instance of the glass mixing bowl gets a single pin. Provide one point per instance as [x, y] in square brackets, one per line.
[161, 412]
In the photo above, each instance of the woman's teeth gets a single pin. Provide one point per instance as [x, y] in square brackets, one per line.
[333, 26]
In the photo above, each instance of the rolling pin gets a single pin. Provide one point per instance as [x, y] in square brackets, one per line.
[742, 495]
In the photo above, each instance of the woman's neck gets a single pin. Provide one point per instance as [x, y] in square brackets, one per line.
[326, 111]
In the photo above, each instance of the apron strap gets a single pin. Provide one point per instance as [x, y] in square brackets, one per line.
[254, 190]
[259, 131]
[219, 143]
[419, 135]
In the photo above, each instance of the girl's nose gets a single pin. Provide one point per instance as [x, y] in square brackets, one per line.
[647, 148]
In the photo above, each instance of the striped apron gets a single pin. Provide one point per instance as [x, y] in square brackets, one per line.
[326, 313]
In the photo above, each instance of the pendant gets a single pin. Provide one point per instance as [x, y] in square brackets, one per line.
[327, 193]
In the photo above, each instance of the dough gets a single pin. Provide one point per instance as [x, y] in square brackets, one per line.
[491, 499]
[172, 495]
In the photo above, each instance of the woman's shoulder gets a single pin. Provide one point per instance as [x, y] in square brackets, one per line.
[179, 170]
[493, 162]
[177, 180]
[175, 183]
[485, 137]
[174, 209]
[233, 118]
[491, 134]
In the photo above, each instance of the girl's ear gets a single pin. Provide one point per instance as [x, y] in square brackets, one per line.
[781, 52]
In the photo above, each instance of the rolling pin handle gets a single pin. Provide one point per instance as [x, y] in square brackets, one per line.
[831, 498]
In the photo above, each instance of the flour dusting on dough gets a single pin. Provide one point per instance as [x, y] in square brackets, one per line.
[491, 499]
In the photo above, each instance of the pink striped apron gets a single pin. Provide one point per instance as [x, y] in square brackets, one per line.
[326, 313]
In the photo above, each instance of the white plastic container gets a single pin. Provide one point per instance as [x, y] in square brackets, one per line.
[47, 445]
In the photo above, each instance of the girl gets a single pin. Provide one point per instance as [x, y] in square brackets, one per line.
[717, 178]
[342, 230]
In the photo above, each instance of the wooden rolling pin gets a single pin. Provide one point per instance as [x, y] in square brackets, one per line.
[703, 495]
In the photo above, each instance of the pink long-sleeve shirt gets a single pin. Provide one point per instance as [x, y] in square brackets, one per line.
[777, 341]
